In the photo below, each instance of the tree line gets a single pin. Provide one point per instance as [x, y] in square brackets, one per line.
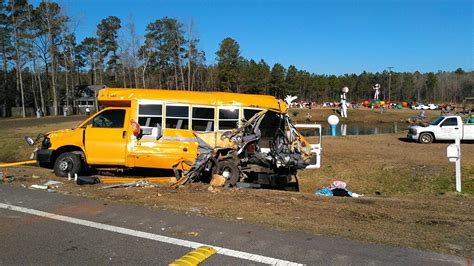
[42, 63]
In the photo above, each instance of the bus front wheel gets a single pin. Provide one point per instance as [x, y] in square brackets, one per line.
[68, 163]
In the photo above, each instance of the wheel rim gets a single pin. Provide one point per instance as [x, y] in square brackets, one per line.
[65, 165]
[226, 173]
[426, 138]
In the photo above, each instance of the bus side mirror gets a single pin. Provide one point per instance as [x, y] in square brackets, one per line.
[29, 141]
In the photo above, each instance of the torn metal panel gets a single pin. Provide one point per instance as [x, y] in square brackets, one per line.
[266, 150]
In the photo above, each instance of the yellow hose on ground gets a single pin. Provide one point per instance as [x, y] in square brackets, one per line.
[17, 163]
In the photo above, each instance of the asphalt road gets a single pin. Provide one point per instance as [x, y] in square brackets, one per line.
[26, 237]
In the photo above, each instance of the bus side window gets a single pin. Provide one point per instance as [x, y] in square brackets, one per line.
[203, 119]
[177, 116]
[149, 115]
[228, 118]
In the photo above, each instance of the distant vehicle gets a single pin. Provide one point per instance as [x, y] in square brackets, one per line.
[419, 107]
[432, 106]
[443, 128]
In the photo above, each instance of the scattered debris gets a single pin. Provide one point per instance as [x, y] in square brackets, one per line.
[337, 188]
[39, 187]
[217, 181]
[195, 234]
[7, 179]
[87, 180]
[92, 180]
[35, 176]
[139, 183]
[52, 184]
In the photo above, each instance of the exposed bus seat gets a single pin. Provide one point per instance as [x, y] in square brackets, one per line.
[209, 126]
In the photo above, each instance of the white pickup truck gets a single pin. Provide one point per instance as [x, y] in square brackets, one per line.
[443, 128]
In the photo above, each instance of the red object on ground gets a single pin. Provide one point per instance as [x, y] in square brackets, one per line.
[404, 104]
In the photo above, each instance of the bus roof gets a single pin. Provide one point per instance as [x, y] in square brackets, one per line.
[120, 97]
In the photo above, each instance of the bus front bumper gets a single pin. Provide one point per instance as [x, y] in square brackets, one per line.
[43, 156]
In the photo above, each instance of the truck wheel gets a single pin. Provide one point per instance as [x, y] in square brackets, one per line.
[229, 171]
[68, 162]
[426, 138]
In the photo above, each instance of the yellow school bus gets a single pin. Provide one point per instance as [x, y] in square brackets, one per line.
[250, 136]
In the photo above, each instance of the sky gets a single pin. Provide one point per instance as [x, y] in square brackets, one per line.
[322, 37]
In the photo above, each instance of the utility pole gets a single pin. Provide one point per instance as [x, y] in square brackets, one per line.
[389, 81]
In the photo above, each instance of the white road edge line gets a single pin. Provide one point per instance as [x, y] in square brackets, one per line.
[145, 235]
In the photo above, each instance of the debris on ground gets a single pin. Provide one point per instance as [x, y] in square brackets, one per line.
[87, 180]
[338, 189]
[92, 180]
[217, 181]
[195, 234]
[52, 184]
[39, 187]
[139, 183]
[6, 179]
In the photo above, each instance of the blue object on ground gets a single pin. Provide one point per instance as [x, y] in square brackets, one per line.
[324, 192]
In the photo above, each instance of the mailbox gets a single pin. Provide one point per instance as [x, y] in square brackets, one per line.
[452, 152]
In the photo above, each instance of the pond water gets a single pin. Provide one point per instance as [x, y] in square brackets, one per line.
[345, 129]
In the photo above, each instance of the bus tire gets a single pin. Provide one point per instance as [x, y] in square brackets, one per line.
[68, 163]
[230, 171]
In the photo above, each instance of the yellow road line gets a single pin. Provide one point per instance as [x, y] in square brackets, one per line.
[17, 163]
[194, 257]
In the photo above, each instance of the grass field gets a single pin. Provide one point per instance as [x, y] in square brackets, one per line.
[409, 189]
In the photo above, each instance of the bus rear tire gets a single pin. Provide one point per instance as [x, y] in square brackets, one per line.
[230, 171]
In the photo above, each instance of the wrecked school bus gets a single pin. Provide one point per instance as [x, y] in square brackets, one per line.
[241, 137]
